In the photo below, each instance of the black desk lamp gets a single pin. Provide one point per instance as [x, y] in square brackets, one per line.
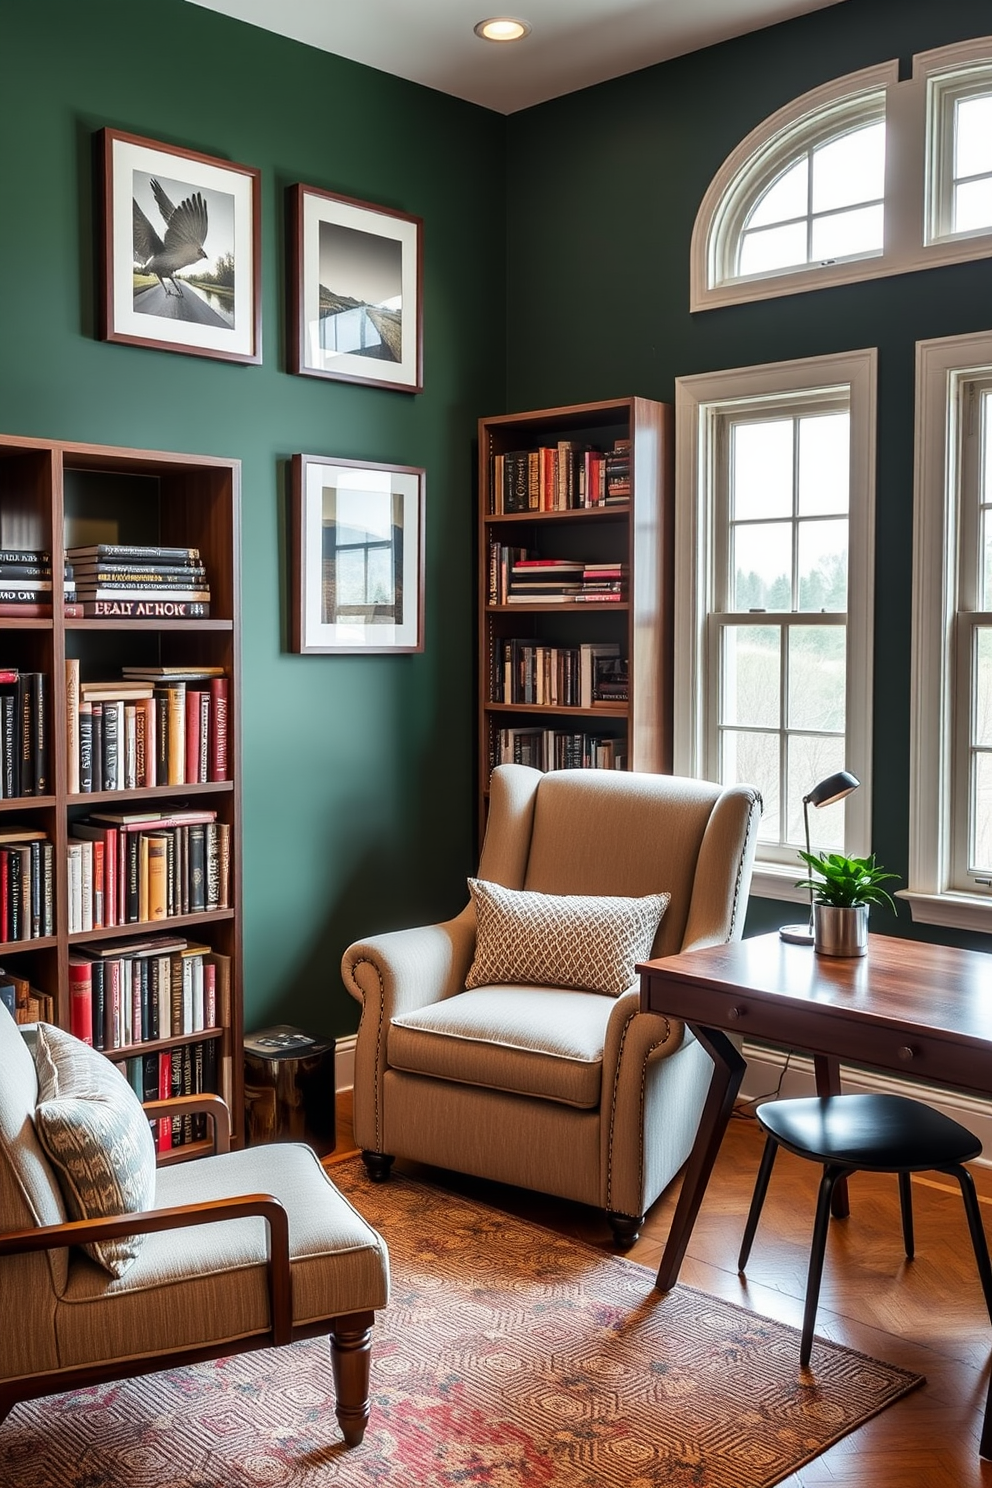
[834, 788]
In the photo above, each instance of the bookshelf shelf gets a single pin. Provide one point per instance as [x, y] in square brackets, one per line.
[556, 461]
[57, 495]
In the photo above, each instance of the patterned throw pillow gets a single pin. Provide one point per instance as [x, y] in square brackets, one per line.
[91, 1124]
[561, 940]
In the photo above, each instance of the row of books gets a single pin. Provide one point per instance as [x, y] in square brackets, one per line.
[187, 1069]
[127, 869]
[24, 753]
[585, 676]
[152, 726]
[560, 477]
[108, 580]
[559, 749]
[142, 990]
[518, 577]
[27, 884]
[25, 1003]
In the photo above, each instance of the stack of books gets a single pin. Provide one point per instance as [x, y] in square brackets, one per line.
[560, 580]
[26, 583]
[125, 868]
[24, 754]
[560, 477]
[117, 580]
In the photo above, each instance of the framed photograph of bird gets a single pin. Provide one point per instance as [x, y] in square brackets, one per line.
[180, 260]
[355, 291]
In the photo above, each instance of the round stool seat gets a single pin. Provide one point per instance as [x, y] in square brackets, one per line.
[876, 1133]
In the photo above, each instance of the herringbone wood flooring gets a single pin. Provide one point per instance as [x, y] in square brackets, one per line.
[927, 1315]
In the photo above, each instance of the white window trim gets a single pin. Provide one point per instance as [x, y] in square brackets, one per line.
[941, 366]
[910, 161]
[697, 400]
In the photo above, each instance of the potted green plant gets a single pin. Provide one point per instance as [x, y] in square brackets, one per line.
[843, 890]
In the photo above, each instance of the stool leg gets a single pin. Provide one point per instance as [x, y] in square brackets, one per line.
[757, 1199]
[831, 1173]
[906, 1205]
[977, 1229]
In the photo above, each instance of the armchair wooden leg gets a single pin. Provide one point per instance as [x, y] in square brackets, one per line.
[377, 1165]
[626, 1228]
[351, 1355]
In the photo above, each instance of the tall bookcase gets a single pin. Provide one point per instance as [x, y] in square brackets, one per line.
[633, 529]
[54, 495]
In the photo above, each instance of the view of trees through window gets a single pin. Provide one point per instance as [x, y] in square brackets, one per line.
[781, 622]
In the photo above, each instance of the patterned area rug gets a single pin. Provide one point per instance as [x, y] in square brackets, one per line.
[508, 1356]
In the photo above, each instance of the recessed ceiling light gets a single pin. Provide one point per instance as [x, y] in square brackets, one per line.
[502, 28]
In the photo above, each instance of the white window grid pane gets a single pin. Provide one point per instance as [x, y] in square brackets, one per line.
[849, 170]
[972, 205]
[973, 136]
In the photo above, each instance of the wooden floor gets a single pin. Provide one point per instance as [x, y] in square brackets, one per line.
[927, 1315]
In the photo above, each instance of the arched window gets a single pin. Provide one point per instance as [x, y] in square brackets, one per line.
[816, 196]
[863, 176]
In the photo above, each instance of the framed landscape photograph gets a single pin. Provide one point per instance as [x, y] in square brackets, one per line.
[180, 250]
[355, 310]
[357, 543]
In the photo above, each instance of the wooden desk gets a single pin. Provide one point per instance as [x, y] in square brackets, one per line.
[917, 1010]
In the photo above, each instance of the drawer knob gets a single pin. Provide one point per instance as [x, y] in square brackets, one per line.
[905, 1052]
[736, 1012]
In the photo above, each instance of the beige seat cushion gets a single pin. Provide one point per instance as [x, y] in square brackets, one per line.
[208, 1283]
[534, 1041]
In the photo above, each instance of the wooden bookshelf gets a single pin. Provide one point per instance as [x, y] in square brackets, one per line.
[636, 531]
[55, 495]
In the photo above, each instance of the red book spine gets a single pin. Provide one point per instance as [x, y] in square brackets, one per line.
[209, 995]
[121, 876]
[203, 759]
[218, 728]
[99, 886]
[113, 1034]
[81, 1001]
[164, 1142]
[192, 769]
[151, 742]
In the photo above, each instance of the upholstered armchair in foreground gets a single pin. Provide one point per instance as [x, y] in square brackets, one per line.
[536, 1079]
[236, 1251]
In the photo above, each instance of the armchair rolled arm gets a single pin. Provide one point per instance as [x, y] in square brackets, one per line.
[177, 1217]
[214, 1107]
[396, 973]
[633, 1040]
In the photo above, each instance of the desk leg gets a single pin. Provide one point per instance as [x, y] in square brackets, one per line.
[826, 1071]
[728, 1072]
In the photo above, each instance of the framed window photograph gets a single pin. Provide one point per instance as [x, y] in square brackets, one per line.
[357, 543]
[180, 250]
[355, 285]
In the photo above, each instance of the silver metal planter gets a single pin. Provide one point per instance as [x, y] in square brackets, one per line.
[840, 931]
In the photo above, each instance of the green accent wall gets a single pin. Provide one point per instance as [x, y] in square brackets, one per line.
[358, 772]
[603, 189]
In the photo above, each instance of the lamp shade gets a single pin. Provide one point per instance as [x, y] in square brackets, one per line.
[834, 788]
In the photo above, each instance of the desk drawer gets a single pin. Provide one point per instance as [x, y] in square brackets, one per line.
[813, 1028]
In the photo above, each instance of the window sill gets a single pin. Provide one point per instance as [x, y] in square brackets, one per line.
[958, 911]
[778, 881]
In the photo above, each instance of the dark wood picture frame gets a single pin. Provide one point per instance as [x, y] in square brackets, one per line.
[164, 210]
[375, 256]
[363, 595]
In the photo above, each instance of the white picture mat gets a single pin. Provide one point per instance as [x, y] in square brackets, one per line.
[127, 158]
[316, 634]
[316, 210]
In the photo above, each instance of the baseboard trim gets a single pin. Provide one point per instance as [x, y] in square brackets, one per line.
[344, 1062]
[775, 1072]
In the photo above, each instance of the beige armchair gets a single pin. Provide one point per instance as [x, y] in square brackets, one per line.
[568, 1092]
[238, 1251]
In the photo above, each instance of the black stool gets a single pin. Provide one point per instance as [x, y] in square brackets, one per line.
[876, 1134]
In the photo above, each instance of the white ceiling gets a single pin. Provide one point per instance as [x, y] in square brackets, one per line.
[573, 43]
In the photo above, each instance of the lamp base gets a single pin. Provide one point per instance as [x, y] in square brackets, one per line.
[797, 934]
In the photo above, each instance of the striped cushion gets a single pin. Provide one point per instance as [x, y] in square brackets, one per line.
[585, 941]
[91, 1124]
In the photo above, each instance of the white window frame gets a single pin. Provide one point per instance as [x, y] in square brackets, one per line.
[945, 367]
[916, 186]
[701, 402]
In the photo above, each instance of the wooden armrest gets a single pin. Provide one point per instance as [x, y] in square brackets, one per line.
[212, 1106]
[177, 1217]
